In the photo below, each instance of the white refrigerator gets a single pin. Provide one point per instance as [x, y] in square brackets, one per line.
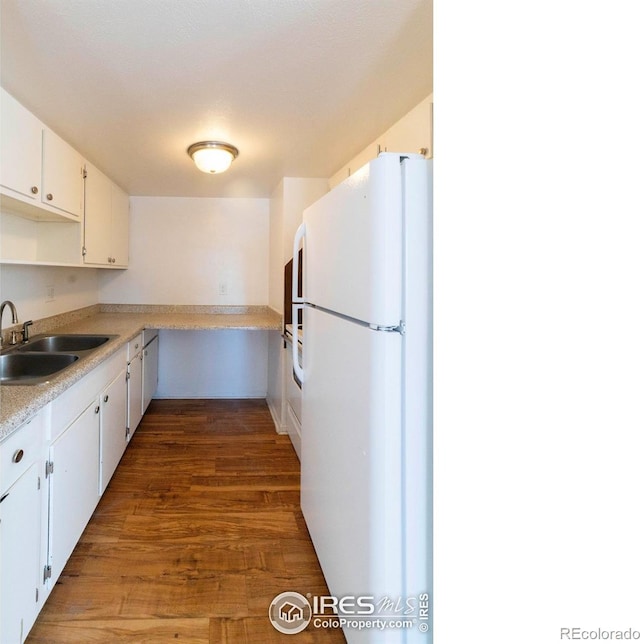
[366, 466]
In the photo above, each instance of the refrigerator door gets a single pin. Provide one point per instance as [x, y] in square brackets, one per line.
[353, 244]
[351, 485]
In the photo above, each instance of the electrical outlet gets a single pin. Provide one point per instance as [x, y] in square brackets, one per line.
[49, 293]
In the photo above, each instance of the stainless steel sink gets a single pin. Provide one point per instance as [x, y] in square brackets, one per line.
[59, 343]
[32, 368]
[44, 356]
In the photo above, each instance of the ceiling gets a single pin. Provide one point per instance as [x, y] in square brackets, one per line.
[299, 86]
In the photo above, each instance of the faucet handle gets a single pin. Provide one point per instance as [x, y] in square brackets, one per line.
[25, 330]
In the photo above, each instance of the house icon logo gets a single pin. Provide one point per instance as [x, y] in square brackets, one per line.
[290, 613]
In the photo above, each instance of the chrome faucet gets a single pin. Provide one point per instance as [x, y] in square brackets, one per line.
[14, 315]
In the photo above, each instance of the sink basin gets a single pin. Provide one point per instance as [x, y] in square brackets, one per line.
[55, 343]
[32, 368]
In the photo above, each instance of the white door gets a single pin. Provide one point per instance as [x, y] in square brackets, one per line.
[351, 453]
[73, 485]
[97, 217]
[119, 226]
[134, 393]
[353, 245]
[149, 372]
[113, 428]
[62, 175]
[19, 556]
[21, 158]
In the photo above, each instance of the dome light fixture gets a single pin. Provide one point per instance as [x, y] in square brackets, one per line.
[212, 157]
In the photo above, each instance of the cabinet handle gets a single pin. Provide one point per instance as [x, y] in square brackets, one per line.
[49, 197]
[17, 457]
[97, 409]
[106, 398]
[34, 190]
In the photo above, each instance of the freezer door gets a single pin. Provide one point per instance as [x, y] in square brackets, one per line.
[351, 488]
[353, 244]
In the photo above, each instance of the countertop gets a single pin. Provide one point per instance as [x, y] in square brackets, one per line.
[18, 403]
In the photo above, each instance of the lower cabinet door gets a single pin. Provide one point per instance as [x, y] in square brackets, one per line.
[73, 485]
[113, 428]
[20, 571]
[149, 372]
[134, 394]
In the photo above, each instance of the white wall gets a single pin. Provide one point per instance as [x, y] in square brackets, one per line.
[412, 133]
[213, 364]
[276, 245]
[185, 251]
[27, 287]
[188, 250]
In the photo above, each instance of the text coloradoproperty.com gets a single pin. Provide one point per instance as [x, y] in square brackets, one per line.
[599, 634]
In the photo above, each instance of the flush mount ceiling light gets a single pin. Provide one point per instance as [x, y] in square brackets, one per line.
[212, 157]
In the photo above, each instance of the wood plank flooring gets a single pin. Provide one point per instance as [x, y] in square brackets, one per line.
[199, 529]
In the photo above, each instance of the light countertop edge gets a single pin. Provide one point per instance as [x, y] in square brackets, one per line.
[18, 403]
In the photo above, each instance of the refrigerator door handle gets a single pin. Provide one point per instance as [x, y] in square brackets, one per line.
[296, 300]
[297, 367]
[297, 245]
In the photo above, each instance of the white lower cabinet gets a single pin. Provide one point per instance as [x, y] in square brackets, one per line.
[85, 419]
[113, 427]
[74, 463]
[20, 572]
[134, 385]
[53, 471]
[142, 376]
[149, 369]
[21, 541]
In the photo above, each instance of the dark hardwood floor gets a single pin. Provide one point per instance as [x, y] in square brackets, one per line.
[199, 529]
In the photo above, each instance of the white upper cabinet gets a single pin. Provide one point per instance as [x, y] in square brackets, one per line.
[106, 221]
[62, 175]
[21, 158]
[119, 227]
[97, 218]
[41, 175]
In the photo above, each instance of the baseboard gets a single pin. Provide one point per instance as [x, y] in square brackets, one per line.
[281, 428]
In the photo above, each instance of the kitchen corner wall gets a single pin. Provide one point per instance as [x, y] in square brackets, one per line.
[194, 251]
[200, 251]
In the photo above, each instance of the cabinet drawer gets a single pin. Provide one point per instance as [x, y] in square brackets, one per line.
[19, 451]
[135, 346]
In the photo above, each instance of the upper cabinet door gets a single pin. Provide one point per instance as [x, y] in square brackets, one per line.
[119, 226]
[62, 175]
[106, 221]
[21, 158]
[97, 217]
